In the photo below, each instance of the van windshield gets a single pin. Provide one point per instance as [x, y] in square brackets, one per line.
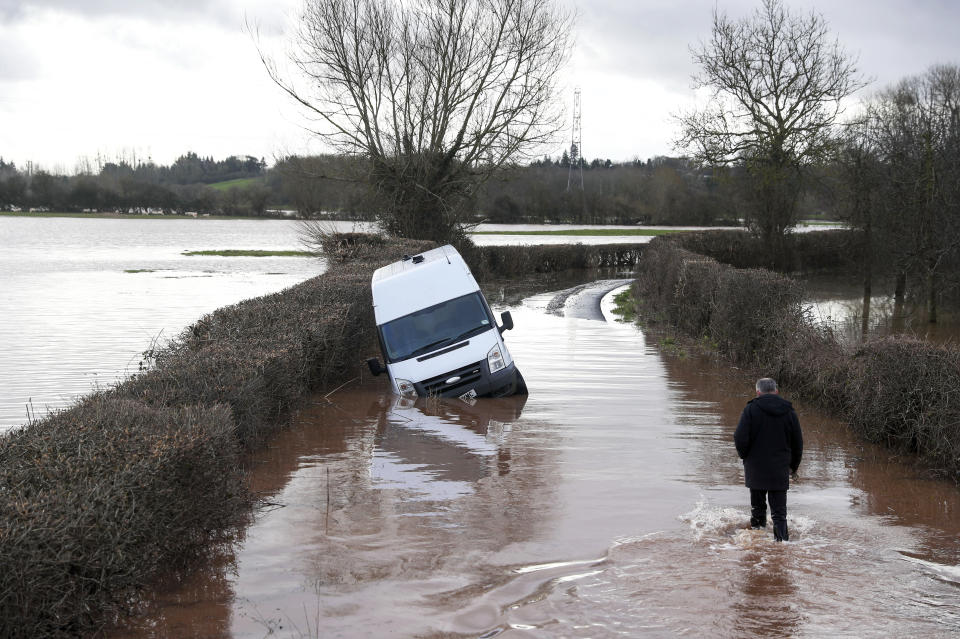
[433, 328]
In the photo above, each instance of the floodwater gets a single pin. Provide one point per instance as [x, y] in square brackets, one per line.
[608, 503]
[82, 299]
[836, 301]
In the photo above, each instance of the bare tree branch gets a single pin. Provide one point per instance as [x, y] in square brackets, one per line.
[778, 88]
[435, 94]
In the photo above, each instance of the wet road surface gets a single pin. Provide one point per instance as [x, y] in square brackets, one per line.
[609, 503]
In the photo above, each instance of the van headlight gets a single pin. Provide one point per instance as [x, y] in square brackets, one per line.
[495, 359]
[406, 388]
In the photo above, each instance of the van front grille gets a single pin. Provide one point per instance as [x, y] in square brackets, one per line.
[469, 375]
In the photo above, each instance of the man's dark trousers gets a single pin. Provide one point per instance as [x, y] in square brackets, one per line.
[778, 511]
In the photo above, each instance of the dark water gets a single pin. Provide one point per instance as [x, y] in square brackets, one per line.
[837, 301]
[607, 504]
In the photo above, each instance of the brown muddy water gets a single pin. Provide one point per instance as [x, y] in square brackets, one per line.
[609, 503]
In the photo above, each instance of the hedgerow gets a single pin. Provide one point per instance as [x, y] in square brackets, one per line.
[898, 391]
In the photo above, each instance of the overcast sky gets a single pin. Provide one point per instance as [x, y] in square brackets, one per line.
[157, 78]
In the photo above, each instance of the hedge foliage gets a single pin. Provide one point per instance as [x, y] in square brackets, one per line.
[514, 261]
[898, 391]
[96, 499]
[808, 251]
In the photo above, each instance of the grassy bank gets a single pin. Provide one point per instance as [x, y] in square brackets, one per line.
[131, 216]
[588, 232]
[238, 183]
[897, 391]
[98, 499]
[249, 253]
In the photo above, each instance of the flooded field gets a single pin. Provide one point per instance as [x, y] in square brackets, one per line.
[608, 503]
[82, 299]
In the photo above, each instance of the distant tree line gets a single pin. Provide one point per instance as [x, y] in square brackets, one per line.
[123, 187]
[657, 191]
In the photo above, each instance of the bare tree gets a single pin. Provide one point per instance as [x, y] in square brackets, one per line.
[437, 95]
[915, 128]
[862, 202]
[778, 87]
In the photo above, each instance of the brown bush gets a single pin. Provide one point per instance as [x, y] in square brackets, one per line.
[814, 365]
[905, 393]
[96, 498]
[756, 314]
[657, 278]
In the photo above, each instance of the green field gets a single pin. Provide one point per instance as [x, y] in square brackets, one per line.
[598, 232]
[238, 183]
[127, 216]
[250, 253]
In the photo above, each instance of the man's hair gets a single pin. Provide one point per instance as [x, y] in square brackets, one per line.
[766, 385]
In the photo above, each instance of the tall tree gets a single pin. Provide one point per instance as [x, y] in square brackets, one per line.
[436, 95]
[863, 203]
[777, 84]
[916, 130]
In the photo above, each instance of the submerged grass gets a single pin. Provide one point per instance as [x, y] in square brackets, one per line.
[588, 232]
[249, 253]
[624, 306]
[127, 216]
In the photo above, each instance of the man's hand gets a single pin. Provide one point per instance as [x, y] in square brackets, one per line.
[793, 475]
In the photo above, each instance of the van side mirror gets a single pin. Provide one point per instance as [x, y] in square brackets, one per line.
[376, 368]
[507, 320]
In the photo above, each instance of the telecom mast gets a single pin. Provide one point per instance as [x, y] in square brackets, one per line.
[576, 143]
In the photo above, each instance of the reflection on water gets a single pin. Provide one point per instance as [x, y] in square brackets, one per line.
[609, 503]
[837, 302]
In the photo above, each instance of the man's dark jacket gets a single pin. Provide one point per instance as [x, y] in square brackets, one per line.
[769, 441]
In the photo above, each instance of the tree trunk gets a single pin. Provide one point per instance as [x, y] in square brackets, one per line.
[867, 290]
[867, 281]
[899, 294]
[932, 316]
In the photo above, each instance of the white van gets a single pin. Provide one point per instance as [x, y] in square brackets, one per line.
[437, 333]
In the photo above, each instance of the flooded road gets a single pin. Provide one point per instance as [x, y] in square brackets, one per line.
[609, 503]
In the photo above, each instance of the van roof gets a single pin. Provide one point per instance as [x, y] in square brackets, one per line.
[406, 286]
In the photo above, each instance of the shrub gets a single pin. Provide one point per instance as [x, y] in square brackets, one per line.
[905, 393]
[756, 314]
[96, 498]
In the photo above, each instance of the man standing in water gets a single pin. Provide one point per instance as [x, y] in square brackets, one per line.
[770, 443]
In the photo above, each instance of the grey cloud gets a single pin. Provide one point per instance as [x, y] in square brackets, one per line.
[224, 12]
[652, 38]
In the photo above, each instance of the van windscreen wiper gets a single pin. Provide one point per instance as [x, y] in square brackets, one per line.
[470, 333]
[429, 347]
